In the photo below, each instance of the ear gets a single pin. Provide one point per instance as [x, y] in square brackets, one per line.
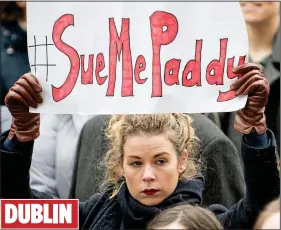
[183, 161]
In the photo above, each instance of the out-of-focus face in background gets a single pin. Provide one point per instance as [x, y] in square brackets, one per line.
[21, 4]
[258, 12]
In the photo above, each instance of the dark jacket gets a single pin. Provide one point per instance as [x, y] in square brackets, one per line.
[14, 56]
[272, 111]
[224, 174]
[122, 211]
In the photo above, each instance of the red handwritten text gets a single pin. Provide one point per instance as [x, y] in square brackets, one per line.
[131, 72]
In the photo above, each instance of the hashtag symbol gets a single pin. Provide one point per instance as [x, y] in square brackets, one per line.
[46, 64]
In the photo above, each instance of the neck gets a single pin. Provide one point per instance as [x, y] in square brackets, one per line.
[261, 38]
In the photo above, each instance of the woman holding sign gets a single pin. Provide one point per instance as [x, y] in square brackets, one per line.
[152, 162]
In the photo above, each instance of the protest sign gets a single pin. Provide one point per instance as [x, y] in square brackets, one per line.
[136, 57]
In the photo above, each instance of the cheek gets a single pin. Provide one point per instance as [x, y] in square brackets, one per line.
[170, 172]
[175, 166]
[131, 182]
[128, 171]
[128, 175]
[275, 7]
[269, 10]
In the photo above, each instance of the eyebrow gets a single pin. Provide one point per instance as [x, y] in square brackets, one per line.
[157, 155]
[160, 154]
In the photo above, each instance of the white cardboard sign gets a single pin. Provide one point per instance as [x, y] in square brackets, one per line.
[136, 57]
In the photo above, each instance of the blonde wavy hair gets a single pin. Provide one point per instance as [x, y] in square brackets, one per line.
[176, 126]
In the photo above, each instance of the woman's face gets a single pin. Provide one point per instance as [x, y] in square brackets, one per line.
[151, 167]
[257, 12]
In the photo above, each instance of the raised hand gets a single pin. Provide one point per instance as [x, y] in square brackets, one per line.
[24, 93]
[253, 83]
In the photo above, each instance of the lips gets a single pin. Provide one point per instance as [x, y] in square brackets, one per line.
[150, 192]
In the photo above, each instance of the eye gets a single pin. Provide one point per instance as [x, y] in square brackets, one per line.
[135, 163]
[160, 162]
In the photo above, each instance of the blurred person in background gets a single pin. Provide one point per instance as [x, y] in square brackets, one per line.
[53, 158]
[262, 20]
[54, 153]
[263, 26]
[3, 5]
[14, 57]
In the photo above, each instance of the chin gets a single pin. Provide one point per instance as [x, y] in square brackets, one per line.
[151, 201]
[253, 19]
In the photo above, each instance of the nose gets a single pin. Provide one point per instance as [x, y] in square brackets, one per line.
[148, 174]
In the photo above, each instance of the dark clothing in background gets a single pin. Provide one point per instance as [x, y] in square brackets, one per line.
[14, 56]
[123, 212]
[271, 66]
[272, 111]
[3, 5]
[224, 175]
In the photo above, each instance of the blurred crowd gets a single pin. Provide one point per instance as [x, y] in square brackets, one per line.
[66, 155]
